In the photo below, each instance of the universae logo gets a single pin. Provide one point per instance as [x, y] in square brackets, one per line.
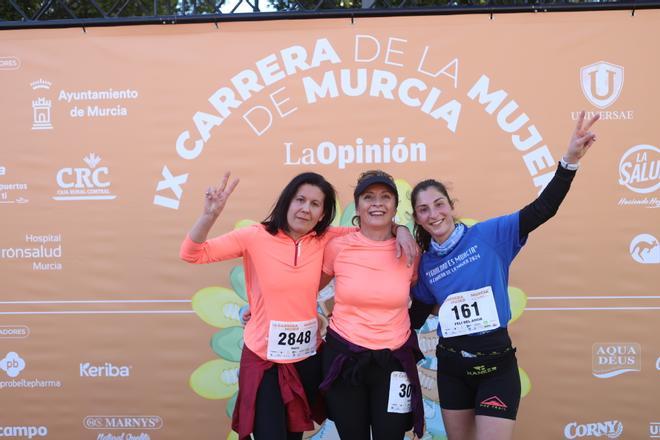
[601, 83]
[645, 249]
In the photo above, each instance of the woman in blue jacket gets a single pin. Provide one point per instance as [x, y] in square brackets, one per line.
[465, 270]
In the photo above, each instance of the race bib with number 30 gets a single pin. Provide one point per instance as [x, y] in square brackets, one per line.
[400, 392]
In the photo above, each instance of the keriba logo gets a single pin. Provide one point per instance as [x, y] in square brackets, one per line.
[104, 370]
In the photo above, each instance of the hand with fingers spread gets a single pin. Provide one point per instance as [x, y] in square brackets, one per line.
[214, 202]
[581, 140]
[216, 197]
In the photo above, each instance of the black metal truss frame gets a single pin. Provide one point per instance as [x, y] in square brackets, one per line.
[134, 12]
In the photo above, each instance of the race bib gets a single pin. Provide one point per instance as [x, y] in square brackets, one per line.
[465, 313]
[400, 392]
[292, 339]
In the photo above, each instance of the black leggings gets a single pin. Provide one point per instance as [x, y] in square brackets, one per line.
[361, 409]
[270, 412]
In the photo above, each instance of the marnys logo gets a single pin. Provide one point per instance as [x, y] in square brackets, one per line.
[601, 83]
[104, 370]
[84, 183]
[9, 63]
[123, 422]
[615, 358]
[23, 431]
[644, 249]
[610, 429]
[12, 364]
[639, 169]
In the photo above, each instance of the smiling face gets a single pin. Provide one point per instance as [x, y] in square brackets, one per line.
[376, 207]
[433, 211]
[305, 210]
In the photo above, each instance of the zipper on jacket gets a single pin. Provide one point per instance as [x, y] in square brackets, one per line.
[296, 252]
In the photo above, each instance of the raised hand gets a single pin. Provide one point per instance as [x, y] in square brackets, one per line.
[581, 140]
[216, 197]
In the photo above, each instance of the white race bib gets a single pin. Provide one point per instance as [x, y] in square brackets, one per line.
[292, 339]
[400, 392]
[465, 313]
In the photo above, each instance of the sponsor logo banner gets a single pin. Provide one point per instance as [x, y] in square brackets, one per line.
[84, 183]
[610, 359]
[104, 370]
[23, 431]
[601, 83]
[609, 429]
[14, 331]
[123, 422]
[644, 249]
[9, 63]
[13, 365]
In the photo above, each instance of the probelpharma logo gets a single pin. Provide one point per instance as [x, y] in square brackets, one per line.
[611, 359]
[84, 183]
[601, 83]
[123, 422]
[23, 431]
[639, 169]
[104, 370]
[12, 364]
[644, 249]
[609, 429]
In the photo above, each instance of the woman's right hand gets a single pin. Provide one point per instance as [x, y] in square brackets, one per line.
[216, 197]
[214, 201]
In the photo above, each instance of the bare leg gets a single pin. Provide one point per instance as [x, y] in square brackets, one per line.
[494, 428]
[459, 423]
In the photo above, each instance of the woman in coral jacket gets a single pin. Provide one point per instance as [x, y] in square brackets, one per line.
[280, 367]
[465, 270]
[369, 360]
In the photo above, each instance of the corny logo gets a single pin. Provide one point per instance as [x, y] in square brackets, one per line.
[609, 429]
[601, 83]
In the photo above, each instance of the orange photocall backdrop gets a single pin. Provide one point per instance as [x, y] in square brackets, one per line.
[110, 136]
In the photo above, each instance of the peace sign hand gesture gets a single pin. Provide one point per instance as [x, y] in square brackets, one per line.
[581, 139]
[217, 197]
